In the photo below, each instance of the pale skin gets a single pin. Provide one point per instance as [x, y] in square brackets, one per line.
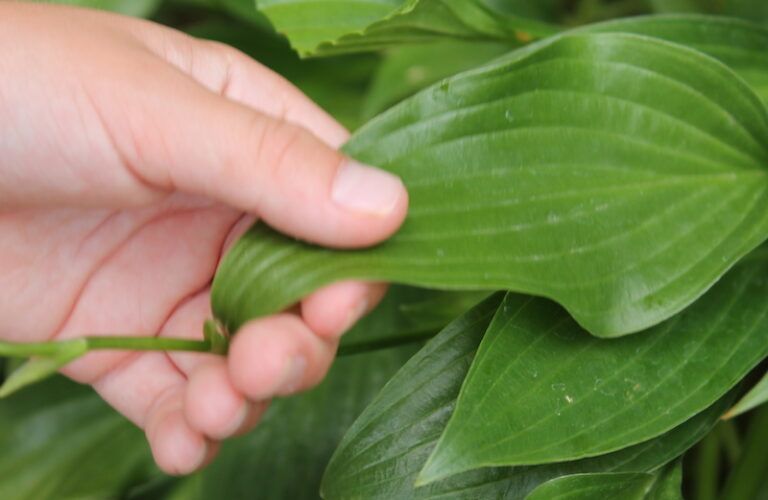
[131, 156]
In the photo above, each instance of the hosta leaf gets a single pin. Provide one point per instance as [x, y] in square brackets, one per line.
[757, 396]
[386, 447]
[284, 457]
[739, 44]
[542, 390]
[619, 175]
[662, 485]
[62, 441]
[335, 26]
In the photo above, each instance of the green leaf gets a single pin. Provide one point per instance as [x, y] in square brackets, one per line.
[62, 441]
[37, 369]
[322, 27]
[138, 8]
[385, 448]
[757, 396]
[542, 390]
[284, 457]
[619, 175]
[626, 485]
[739, 44]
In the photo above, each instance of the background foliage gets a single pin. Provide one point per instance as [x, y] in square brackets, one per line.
[449, 402]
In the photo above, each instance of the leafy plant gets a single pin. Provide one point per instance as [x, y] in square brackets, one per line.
[582, 291]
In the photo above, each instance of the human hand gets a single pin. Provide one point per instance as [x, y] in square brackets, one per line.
[130, 156]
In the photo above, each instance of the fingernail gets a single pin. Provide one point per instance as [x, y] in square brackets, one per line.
[293, 375]
[365, 189]
[354, 314]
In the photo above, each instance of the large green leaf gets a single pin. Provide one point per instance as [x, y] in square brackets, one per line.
[619, 175]
[62, 441]
[333, 26]
[386, 447]
[739, 44]
[284, 457]
[663, 485]
[543, 390]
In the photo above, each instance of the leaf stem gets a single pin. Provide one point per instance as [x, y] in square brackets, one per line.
[148, 344]
[91, 343]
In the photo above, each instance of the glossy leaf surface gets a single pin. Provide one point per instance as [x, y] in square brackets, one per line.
[337, 26]
[386, 447]
[617, 174]
[541, 389]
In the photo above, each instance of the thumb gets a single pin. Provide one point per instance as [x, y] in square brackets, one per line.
[202, 143]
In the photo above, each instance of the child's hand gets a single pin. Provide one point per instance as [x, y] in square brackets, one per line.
[129, 154]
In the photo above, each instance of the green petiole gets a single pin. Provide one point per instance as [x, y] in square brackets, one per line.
[48, 357]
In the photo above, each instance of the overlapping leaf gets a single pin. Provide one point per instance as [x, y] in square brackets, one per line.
[663, 485]
[618, 174]
[543, 390]
[757, 396]
[381, 455]
[333, 26]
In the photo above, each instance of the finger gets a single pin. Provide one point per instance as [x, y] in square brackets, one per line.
[333, 310]
[149, 391]
[181, 136]
[277, 356]
[236, 76]
[214, 407]
[176, 447]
